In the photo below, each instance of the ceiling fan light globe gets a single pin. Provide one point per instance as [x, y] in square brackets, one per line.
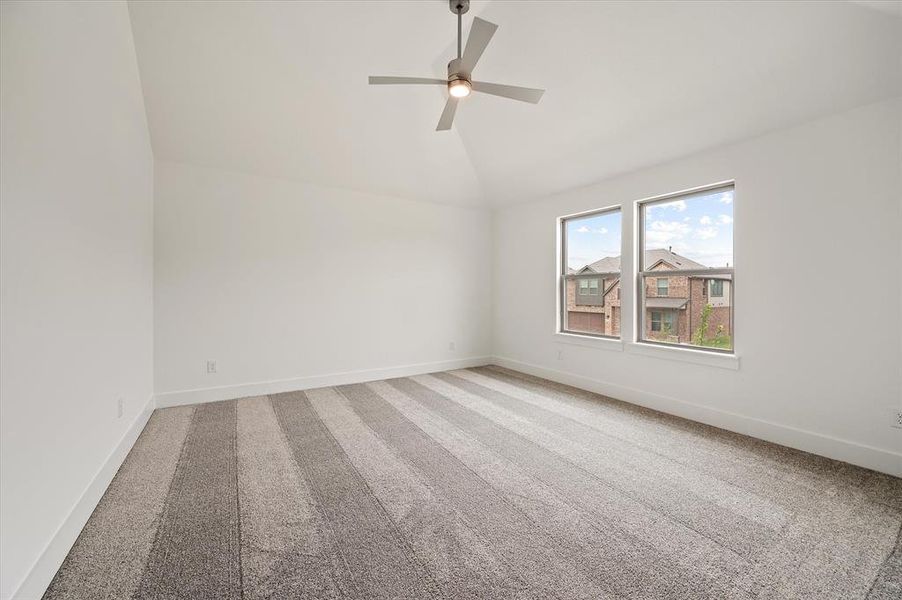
[459, 88]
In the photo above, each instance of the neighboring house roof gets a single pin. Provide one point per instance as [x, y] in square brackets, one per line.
[610, 264]
[666, 302]
[654, 257]
[659, 255]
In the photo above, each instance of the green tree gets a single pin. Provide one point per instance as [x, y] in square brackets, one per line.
[701, 333]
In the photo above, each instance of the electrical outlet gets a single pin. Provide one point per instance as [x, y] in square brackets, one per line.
[897, 420]
[211, 366]
[120, 407]
[451, 346]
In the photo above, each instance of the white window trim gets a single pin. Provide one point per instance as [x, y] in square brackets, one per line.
[595, 342]
[630, 237]
[560, 280]
[638, 305]
[684, 354]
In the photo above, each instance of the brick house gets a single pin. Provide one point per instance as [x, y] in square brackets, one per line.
[673, 305]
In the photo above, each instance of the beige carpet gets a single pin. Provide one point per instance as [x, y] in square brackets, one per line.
[480, 483]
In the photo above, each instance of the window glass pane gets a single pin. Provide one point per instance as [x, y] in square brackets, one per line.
[655, 321]
[682, 236]
[698, 229]
[591, 247]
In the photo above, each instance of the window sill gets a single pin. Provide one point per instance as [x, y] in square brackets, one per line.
[589, 341]
[698, 357]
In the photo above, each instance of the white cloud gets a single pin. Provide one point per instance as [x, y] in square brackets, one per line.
[677, 205]
[706, 220]
[584, 229]
[705, 233]
[724, 219]
[687, 219]
[727, 197]
[671, 226]
[660, 232]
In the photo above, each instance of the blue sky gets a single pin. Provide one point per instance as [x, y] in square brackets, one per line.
[700, 228]
[592, 238]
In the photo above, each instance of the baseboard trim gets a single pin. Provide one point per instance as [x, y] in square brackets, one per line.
[862, 455]
[45, 567]
[262, 388]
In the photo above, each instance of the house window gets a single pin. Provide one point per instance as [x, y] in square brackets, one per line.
[590, 267]
[663, 322]
[690, 236]
[656, 318]
[663, 284]
[588, 287]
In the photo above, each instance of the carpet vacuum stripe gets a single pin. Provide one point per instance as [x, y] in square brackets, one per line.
[378, 562]
[285, 546]
[110, 555]
[195, 553]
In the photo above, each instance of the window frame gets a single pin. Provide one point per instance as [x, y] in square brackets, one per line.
[712, 282]
[563, 276]
[588, 287]
[666, 287]
[641, 273]
[659, 320]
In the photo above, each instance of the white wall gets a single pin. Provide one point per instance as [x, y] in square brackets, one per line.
[279, 280]
[76, 265]
[815, 204]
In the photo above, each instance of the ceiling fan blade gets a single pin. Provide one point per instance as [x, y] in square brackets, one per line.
[376, 80]
[481, 33]
[444, 123]
[513, 92]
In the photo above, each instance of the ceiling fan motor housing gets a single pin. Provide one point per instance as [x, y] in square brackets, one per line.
[454, 72]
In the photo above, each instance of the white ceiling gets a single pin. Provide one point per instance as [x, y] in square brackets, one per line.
[280, 89]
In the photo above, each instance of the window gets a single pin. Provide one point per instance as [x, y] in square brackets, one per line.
[690, 237]
[662, 286]
[590, 273]
[588, 287]
[663, 322]
[656, 318]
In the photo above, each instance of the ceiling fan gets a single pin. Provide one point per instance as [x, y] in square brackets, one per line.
[460, 69]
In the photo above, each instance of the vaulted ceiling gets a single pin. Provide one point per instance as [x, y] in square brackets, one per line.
[280, 89]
